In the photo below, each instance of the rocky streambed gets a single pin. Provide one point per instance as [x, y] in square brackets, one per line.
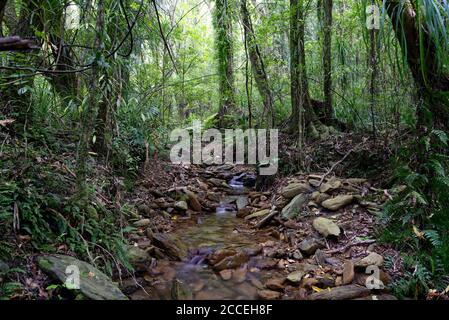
[310, 237]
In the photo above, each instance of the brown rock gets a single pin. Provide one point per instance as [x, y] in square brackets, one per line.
[276, 284]
[338, 202]
[220, 254]
[226, 274]
[231, 262]
[268, 294]
[193, 201]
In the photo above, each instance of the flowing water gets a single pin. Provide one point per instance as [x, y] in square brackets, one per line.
[217, 231]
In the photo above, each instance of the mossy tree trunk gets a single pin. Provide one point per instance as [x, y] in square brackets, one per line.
[224, 43]
[257, 64]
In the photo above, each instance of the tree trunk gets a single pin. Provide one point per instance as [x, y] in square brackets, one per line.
[90, 111]
[257, 65]
[224, 43]
[327, 60]
[303, 114]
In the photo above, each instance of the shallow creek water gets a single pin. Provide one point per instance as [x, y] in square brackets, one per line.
[221, 230]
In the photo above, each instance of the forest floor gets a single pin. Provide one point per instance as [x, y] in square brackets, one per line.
[307, 236]
[205, 232]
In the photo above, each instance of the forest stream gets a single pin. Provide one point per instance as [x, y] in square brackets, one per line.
[208, 233]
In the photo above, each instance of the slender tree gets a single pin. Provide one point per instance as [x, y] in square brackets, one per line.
[224, 43]
[327, 59]
[257, 64]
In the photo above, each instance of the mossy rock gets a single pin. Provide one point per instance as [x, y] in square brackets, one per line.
[93, 283]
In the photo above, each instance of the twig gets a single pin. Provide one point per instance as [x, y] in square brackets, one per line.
[351, 244]
[338, 162]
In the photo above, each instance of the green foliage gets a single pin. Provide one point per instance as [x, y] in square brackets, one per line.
[423, 205]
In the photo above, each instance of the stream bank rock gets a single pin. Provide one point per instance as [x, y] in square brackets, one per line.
[293, 209]
[172, 247]
[326, 227]
[93, 283]
[337, 202]
[293, 189]
[373, 259]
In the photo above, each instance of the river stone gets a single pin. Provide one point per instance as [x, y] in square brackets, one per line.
[293, 209]
[373, 259]
[142, 223]
[276, 284]
[93, 283]
[268, 294]
[326, 227]
[338, 202]
[181, 205]
[348, 272]
[172, 247]
[241, 202]
[258, 214]
[231, 262]
[293, 189]
[309, 246]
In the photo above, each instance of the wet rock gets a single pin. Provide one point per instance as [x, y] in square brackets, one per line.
[93, 283]
[239, 275]
[310, 245]
[180, 291]
[373, 259]
[142, 223]
[294, 208]
[241, 202]
[268, 294]
[258, 214]
[276, 284]
[231, 262]
[326, 227]
[348, 272]
[246, 290]
[226, 274]
[217, 182]
[341, 293]
[137, 257]
[242, 213]
[337, 202]
[170, 245]
[253, 250]
[181, 205]
[293, 189]
[325, 281]
[265, 263]
[220, 254]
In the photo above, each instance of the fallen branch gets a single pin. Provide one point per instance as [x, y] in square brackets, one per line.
[16, 43]
[338, 162]
[351, 244]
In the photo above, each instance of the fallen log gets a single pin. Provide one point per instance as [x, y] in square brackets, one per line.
[16, 43]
